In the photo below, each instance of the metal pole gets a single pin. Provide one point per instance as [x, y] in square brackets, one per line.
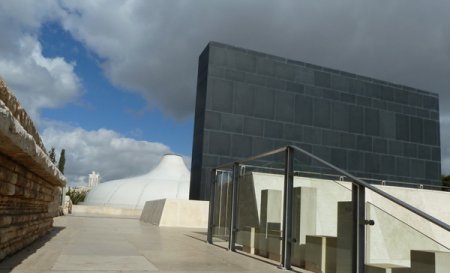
[362, 228]
[358, 249]
[234, 206]
[211, 206]
[287, 209]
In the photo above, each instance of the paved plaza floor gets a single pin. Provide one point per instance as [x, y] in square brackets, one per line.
[114, 245]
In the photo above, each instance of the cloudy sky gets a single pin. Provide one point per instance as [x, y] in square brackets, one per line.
[113, 82]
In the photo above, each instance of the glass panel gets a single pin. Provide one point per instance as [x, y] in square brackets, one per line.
[260, 211]
[394, 241]
[222, 206]
[322, 217]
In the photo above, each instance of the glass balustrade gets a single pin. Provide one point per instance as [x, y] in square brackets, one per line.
[222, 186]
[400, 241]
[260, 210]
[296, 210]
[322, 217]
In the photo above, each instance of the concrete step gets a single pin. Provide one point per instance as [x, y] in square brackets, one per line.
[274, 242]
[320, 254]
[386, 268]
[247, 237]
[424, 261]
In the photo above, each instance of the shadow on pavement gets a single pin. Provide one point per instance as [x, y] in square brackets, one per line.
[10, 262]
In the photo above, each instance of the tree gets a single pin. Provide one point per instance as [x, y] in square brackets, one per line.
[52, 155]
[62, 161]
[446, 181]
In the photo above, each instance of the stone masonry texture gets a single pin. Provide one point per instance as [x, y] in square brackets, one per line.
[249, 102]
[30, 185]
[19, 113]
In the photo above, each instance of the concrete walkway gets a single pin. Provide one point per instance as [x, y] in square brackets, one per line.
[113, 245]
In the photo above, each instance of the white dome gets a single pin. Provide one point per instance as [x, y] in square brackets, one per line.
[170, 179]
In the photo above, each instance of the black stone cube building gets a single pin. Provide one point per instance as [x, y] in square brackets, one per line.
[249, 103]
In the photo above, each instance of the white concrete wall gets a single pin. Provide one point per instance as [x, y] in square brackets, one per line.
[435, 203]
[105, 211]
[176, 213]
[396, 229]
[153, 211]
[328, 194]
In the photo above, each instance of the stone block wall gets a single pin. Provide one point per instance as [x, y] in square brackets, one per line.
[30, 184]
[19, 113]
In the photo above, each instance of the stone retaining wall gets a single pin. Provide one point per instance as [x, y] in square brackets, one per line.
[19, 113]
[30, 184]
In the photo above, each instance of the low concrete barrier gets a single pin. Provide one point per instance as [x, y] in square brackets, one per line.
[105, 211]
[176, 213]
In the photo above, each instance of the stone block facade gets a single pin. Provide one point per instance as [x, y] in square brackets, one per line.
[30, 184]
[250, 102]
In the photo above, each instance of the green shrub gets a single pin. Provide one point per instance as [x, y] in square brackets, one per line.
[446, 181]
[77, 196]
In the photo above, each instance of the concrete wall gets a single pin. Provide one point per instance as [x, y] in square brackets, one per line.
[401, 229]
[176, 213]
[250, 102]
[106, 211]
[30, 185]
[396, 232]
[320, 209]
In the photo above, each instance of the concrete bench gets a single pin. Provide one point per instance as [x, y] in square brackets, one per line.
[274, 244]
[423, 261]
[386, 268]
[247, 238]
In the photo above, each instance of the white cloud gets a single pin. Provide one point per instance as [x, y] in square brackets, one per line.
[104, 151]
[38, 82]
[127, 37]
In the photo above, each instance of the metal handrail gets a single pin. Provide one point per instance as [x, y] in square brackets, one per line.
[386, 182]
[361, 183]
[356, 181]
[230, 164]
[425, 186]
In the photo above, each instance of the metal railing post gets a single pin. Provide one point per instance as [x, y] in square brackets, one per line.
[358, 247]
[287, 209]
[211, 206]
[234, 207]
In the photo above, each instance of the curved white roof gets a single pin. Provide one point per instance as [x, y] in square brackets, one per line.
[170, 179]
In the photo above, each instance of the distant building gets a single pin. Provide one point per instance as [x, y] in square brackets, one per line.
[170, 179]
[94, 179]
[249, 103]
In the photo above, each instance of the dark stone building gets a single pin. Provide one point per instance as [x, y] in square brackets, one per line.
[250, 102]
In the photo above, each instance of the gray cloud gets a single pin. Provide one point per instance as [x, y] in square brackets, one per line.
[152, 47]
[145, 45]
